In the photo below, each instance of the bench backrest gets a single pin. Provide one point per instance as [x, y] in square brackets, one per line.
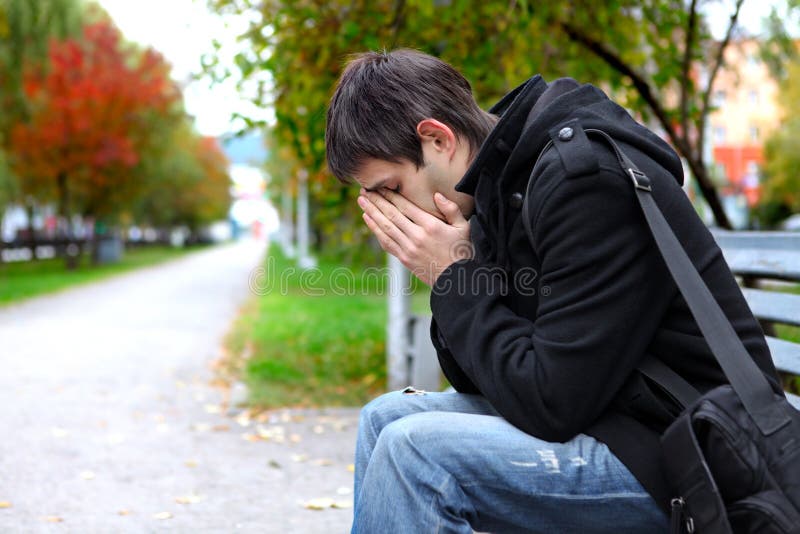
[772, 259]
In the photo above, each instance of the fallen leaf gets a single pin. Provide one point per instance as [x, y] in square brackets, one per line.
[318, 504]
[299, 457]
[243, 418]
[274, 464]
[54, 519]
[351, 468]
[162, 515]
[250, 437]
[342, 504]
[190, 463]
[220, 428]
[188, 499]
[5, 504]
[323, 462]
[295, 438]
[123, 512]
[87, 475]
[318, 429]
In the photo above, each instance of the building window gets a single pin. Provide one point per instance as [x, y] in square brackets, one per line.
[753, 133]
[752, 97]
[719, 98]
[719, 135]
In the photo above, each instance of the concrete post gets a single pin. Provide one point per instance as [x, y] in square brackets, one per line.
[397, 335]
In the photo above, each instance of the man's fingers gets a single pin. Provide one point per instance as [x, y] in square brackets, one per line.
[450, 210]
[391, 219]
[387, 243]
[388, 226]
[408, 208]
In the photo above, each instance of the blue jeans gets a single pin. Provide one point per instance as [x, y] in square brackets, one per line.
[446, 462]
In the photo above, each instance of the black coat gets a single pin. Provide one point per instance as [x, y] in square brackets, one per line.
[551, 332]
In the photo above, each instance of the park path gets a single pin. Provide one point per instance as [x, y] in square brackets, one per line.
[108, 417]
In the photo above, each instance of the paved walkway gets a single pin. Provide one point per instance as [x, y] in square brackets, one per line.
[110, 424]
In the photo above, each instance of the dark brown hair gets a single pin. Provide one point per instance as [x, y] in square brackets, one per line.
[381, 97]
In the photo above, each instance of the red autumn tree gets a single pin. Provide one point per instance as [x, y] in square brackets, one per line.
[92, 107]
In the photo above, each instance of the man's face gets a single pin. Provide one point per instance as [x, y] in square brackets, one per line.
[440, 173]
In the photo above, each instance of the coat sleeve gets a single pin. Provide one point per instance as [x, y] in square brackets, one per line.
[460, 381]
[603, 290]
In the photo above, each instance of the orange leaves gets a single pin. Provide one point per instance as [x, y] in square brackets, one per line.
[91, 110]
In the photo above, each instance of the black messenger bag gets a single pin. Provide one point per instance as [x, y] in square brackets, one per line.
[732, 457]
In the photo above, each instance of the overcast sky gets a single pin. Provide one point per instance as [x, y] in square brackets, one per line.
[182, 30]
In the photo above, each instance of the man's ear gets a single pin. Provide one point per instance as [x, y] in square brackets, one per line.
[438, 136]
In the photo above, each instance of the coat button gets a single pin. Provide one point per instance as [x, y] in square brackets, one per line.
[516, 200]
[565, 134]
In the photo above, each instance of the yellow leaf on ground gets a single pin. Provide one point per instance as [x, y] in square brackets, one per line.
[162, 515]
[318, 504]
[351, 468]
[188, 499]
[5, 504]
[190, 463]
[322, 462]
[123, 512]
[342, 504]
[54, 519]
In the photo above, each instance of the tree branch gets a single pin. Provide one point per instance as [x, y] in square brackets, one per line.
[687, 61]
[397, 20]
[641, 85]
[718, 61]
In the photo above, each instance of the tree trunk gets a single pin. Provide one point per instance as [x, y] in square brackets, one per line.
[700, 172]
[71, 249]
[32, 241]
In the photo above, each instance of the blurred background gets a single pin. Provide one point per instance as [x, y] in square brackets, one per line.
[181, 142]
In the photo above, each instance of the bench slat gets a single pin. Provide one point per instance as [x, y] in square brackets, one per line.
[757, 240]
[785, 354]
[773, 306]
[777, 264]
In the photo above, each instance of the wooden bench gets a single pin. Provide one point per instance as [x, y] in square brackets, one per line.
[768, 262]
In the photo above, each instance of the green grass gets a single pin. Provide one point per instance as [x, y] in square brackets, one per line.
[313, 339]
[22, 280]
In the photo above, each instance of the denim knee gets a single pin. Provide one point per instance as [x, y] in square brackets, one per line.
[385, 408]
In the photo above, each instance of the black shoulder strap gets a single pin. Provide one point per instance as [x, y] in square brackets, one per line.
[743, 374]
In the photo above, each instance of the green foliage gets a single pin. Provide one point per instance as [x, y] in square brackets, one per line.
[781, 186]
[185, 177]
[647, 53]
[26, 28]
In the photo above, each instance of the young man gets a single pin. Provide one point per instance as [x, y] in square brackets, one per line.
[553, 429]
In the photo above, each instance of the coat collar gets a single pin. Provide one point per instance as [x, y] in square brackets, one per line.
[513, 109]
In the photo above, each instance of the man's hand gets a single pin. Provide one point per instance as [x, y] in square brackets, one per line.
[422, 242]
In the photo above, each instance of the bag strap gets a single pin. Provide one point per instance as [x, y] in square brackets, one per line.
[743, 374]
